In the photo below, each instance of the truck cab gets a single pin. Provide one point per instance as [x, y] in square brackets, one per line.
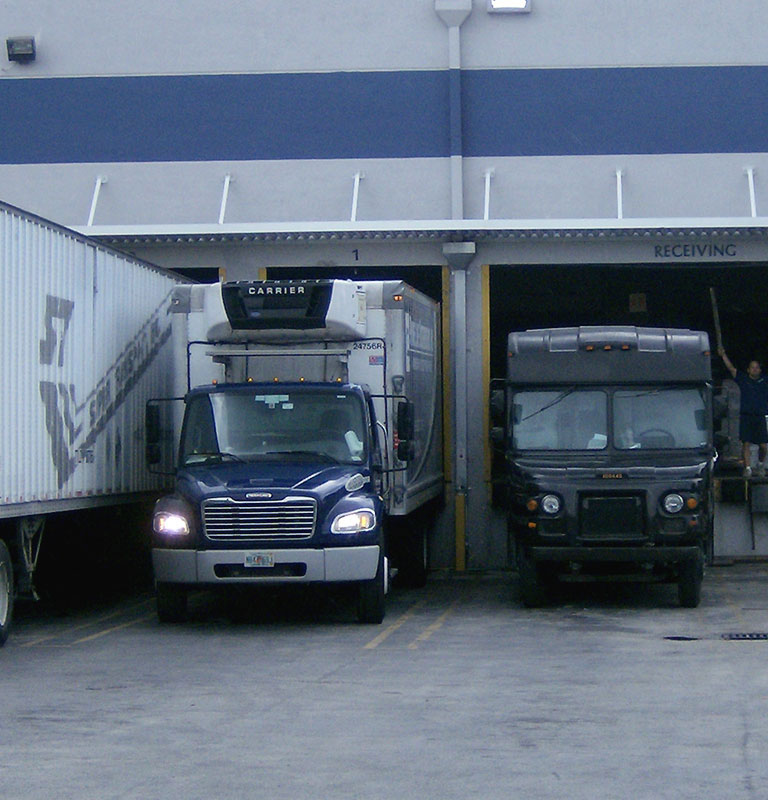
[609, 452]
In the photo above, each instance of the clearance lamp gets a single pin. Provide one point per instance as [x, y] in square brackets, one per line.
[509, 6]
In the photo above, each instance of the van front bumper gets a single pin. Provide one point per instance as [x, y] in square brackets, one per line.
[324, 565]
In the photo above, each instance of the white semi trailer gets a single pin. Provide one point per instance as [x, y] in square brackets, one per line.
[311, 436]
[85, 342]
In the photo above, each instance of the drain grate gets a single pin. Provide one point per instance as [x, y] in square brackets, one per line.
[746, 637]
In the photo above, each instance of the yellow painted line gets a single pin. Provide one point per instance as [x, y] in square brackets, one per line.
[114, 628]
[398, 623]
[434, 627]
[90, 624]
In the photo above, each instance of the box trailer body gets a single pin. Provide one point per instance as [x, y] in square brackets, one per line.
[85, 342]
[608, 435]
[273, 368]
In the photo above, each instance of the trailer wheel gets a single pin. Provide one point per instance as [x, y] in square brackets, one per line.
[371, 603]
[171, 602]
[6, 592]
[690, 576]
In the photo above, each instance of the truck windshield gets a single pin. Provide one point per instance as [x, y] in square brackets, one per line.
[659, 419]
[577, 419]
[249, 425]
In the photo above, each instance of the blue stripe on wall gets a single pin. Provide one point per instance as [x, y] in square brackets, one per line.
[384, 115]
[612, 111]
[224, 117]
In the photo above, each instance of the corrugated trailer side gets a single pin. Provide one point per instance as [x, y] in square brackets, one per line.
[85, 342]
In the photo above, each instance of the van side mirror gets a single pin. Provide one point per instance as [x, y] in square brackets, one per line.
[497, 406]
[719, 407]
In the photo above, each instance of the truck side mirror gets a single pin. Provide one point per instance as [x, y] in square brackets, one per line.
[152, 428]
[406, 420]
[405, 450]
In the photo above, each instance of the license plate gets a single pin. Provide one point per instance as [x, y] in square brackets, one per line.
[259, 559]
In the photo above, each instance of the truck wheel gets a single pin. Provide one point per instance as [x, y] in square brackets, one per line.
[690, 576]
[171, 602]
[532, 591]
[6, 592]
[371, 603]
[412, 569]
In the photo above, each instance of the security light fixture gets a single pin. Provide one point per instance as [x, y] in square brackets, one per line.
[21, 48]
[509, 6]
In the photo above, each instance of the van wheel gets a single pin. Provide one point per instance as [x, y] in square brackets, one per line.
[532, 590]
[371, 603]
[690, 576]
[171, 602]
[6, 592]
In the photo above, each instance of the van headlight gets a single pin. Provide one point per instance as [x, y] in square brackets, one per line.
[167, 523]
[354, 521]
[550, 504]
[673, 503]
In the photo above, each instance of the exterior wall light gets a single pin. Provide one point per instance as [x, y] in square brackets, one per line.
[21, 48]
[509, 6]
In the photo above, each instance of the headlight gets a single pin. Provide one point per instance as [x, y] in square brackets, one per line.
[673, 503]
[354, 522]
[170, 524]
[550, 504]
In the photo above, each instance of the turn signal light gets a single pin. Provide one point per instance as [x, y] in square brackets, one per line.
[532, 504]
[692, 503]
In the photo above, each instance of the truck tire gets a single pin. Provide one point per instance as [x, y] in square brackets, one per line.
[532, 590]
[171, 602]
[412, 569]
[689, 578]
[6, 592]
[371, 596]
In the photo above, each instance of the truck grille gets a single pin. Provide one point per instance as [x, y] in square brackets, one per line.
[610, 518]
[232, 520]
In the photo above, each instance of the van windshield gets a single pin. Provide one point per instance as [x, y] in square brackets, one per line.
[578, 419]
[659, 419]
[250, 425]
[569, 419]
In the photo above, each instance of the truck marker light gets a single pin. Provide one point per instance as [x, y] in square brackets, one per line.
[625, 347]
[532, 526]
[607, 347]
[589, 348]
[397, 298]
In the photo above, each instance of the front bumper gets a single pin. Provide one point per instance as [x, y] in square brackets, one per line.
[325, 565]
[665, 555]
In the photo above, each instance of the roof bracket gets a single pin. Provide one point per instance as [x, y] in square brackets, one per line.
[100, 179]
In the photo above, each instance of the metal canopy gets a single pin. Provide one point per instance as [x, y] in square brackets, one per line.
[433, 230]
